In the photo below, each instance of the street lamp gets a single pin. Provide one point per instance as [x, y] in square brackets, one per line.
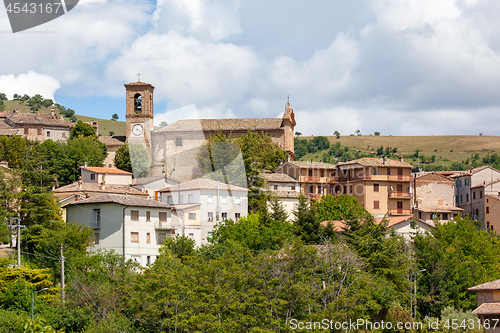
[33, 301]
[414, 312]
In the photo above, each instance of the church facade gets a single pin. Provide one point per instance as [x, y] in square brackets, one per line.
[174, 148]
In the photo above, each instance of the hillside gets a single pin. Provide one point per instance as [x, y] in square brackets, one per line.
[446, 149]
[105, 125]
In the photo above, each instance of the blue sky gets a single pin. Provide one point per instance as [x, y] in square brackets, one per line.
[399, 67]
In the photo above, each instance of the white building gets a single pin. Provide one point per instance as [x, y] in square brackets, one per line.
[110, 176]
[131, 226]
[151, 185]
[202, 203]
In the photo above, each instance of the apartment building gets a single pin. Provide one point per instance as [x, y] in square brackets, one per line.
[315, 178]
[465, 181]
[491, 211]
[433, 197]
[202, 203]
[383, 186]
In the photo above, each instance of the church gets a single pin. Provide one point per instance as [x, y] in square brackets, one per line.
[175, 147]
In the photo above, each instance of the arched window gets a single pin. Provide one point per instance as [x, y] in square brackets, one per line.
[137, 103]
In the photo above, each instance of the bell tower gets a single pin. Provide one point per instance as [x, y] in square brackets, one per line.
[139, 112]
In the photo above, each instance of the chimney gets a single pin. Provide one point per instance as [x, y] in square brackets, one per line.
[384, 160]
[103, 185]
[400, 158]
[85, 165]
[53, 113]
[80, 184]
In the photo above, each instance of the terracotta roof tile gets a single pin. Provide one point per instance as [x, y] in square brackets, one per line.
[212, 125]
[312, 165]
[472, 171]
[486, 183]
[94, 187]
[433, 178]
[285, 194]
[114, 171]
[492, 285]
[6, 129]
[112, 140]
[45, 119]
[487, 309]
[439, 209]
[122, 200]
[278, 177]
[377, 162]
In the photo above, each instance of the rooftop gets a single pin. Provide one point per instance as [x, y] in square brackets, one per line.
[115, 140]
[439, 209]
[188, 125]
[488, 309]
[473, 171]
[20, 118]
[286, 194]
[123, 200]
[312, 165]
[95, 187]
[277, 177]
[492, 285]
[377, 162]
[114, 171]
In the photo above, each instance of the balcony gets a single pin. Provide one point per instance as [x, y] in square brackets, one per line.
[164, 226]
[400, 212]
[400, 195]
[395, 178]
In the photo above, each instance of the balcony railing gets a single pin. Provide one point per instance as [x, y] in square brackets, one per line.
[400, 195]
[400, 212]
[375, 177]
[163, 226]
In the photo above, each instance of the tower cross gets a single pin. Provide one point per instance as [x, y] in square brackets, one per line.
[139, 76]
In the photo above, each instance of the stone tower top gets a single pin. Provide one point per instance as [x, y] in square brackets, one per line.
[289, 114]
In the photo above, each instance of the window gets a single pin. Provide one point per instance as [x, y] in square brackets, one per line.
[350, 189]
[170, 200]
[178, 142]
[440, 202]
[192, 216]
[26, 130]
[445, 216]
[376, 188]
[96, 219]
[210, 217]
[311, 189]
[191, 235]
[474, 195]
[134, 215]
[161, 238]
[181, 199]
[148, 260]
[376, 205]
[293, 187]
[63, 134]
[92, 176]
[190, 198]
[148, 216]
[162, 216]
[210, 199]
[399, 188]
[345, 189]
[48, 134]
[320, 189]
[96, 238]
[224, 199]
[487, 210]
[456, 200]
[236, 216]
[275, 187]
[209, 234]
[375, 171]
[467, 197]
[134, 237]
[148, 238]
[39, 131]
[224, 216]
[237, 200]
[388, 171]
[156, 195]
[481, 194]
[461, 198]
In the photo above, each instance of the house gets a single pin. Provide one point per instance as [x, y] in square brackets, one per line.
[131, 226]
[315, 178]
[488, 303]
[151, 185]
[465, 181]
[111, 176]
[491, 212]
[34, 126]
[202, 203]
[383, 186]
[433, 197]
[88, 190]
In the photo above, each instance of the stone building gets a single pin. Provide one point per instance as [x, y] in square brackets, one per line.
[33, 126]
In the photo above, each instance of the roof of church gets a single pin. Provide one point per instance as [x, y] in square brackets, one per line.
[232, 124]
[138, 83]
[34, 118]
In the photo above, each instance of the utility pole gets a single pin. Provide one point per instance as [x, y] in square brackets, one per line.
[18, 245]
[62, 276]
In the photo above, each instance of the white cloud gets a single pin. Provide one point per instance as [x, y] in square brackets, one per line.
[30, 83]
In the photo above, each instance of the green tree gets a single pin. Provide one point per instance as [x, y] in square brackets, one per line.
[307, 224]
[133, 158]
[337, 134]
[82, 129]
[114, 116]
[3, 97]
[377, 133]
[163, 124]
[122, 158]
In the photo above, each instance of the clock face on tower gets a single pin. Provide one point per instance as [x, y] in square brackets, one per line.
[137, 129]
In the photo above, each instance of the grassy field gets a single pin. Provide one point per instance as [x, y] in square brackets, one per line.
[105, 126]
[446, 148]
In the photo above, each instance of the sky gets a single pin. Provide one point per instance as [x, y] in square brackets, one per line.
[398, 67]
